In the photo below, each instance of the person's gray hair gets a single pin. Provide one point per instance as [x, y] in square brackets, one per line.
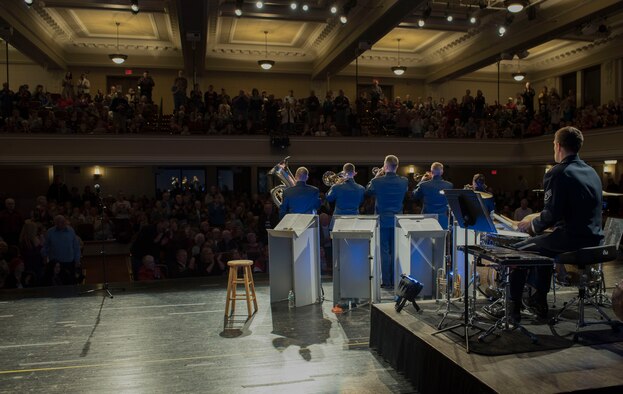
[391, 162]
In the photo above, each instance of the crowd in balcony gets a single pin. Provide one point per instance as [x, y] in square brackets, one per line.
[79, 109]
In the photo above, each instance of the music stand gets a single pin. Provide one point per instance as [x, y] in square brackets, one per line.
[470, 213]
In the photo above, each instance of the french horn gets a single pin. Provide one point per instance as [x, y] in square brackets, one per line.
[283, 173]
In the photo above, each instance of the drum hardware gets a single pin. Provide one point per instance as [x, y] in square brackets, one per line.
[617, 300]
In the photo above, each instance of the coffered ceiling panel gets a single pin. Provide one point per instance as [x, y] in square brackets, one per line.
[251, 31]
[410, 40]
[95, 23]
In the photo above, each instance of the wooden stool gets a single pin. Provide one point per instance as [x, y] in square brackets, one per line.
[246, 280]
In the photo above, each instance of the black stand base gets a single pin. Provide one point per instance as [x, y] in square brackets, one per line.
[104, 287]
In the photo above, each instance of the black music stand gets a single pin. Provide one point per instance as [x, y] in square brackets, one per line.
[470, 213]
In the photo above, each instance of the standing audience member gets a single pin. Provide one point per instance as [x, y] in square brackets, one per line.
[83, 86]
[11, 222]
[58, 191]
[62, 246]
[146, 85]
[180, 85]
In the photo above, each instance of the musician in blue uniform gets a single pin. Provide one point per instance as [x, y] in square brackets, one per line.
[428, 191]
[300, 198]
[389, 190]
[347, 195]
[478, 184]
[572, 207]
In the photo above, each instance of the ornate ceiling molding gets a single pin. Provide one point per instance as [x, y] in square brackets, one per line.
[52, 21]
[577, 51]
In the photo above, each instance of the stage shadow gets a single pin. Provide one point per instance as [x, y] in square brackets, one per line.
[302, 327]
[87, 345]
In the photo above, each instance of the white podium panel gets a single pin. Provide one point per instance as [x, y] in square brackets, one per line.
[355, 257]
[294, 259]
[420, 250]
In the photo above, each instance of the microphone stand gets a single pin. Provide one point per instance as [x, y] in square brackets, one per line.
[102, 252]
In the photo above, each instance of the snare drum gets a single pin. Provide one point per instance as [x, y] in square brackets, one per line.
[502, 238]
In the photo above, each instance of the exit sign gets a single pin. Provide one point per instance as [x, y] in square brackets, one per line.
[128, 72]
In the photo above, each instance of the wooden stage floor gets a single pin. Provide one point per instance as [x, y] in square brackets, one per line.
[170, 337]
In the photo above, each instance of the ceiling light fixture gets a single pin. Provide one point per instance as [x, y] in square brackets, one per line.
[238, 8]
[501, 31]
[266, 64]
[134, 7]
[421, 22]
[343, 19]
[334, 9]
[305, 7]
[515, 6]
[294, 5]
[118, 58]
[519, 76]
[29, 2]
[259, 4]
[473, 20]
[399, 70]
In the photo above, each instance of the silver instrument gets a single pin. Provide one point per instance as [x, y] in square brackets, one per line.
[330, 178]
[281, 171]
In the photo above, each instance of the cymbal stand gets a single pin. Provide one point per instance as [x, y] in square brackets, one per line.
[468, 312]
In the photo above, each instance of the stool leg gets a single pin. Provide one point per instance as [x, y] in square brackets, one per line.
[233, 289]
[252, 285]
[246, 290]
[229, 288]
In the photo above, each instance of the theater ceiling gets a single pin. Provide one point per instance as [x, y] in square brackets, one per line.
[201, 35]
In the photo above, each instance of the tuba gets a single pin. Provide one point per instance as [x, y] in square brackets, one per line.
[284, 174]
[330, 178]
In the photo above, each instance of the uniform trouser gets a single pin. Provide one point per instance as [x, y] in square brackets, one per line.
[387, 255]
[550, 245]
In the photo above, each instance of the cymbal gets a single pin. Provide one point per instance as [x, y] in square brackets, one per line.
[484, 194]
[610, 194]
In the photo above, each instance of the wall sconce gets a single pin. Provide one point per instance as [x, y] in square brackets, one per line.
[411, 170]
[97, 172]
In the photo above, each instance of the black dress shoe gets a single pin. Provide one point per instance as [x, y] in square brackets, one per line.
[537, 303]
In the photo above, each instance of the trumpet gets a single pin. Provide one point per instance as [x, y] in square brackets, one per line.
[330, 178]
[378, 171]
[427, 176]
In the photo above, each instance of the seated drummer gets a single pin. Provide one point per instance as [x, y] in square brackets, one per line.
[572, 207]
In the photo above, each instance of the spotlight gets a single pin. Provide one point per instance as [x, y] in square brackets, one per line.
[449, 17]
[29, 2]
[343, 19]
[421, 22]
[305, 7]
[238, 9]
[408, 289]
[134, 7]
[515, 6]
[293, 5]
[501, 31]
[472, 20]
[259, 4]
[334, 9]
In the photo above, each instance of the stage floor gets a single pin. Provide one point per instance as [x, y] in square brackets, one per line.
[171, 337]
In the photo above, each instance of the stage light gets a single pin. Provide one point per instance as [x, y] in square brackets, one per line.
[343, 19]
[449, 18]
[29, 2]
[501, 31]
[334, 9]
[238, 9]
[408, 289]
[134, 7]
[472, 20]
[305, 7]
[293, 5]
[421, 22]
[259, 4]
